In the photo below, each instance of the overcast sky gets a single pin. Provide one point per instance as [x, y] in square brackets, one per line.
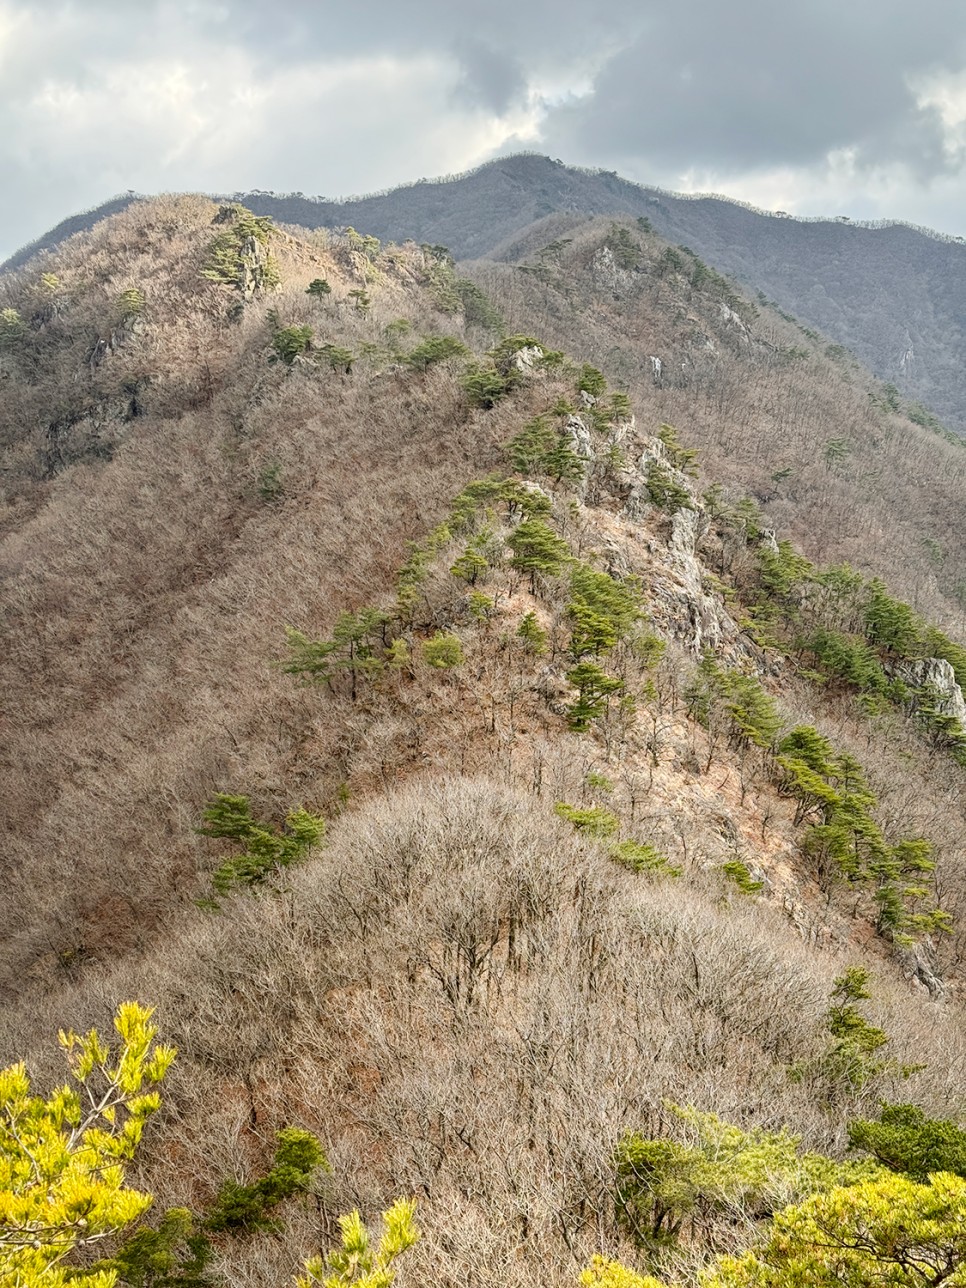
[853, 107]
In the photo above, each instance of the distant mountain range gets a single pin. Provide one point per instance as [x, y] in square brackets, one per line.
[893, 294]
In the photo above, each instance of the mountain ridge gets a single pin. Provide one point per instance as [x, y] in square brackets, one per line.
[891, 292]
[492, 566]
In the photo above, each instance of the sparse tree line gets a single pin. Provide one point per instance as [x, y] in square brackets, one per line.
[763, 418]
[844, 631]
[607, 652]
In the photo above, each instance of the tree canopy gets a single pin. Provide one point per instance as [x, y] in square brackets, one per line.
[63, 1158]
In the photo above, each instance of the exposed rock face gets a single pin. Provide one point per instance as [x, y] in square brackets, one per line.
[938, 676]
[253, 256]
[697, 618]
[681, 604]
[105, 345]
[606, 272]
[907, 362]
[731, 317]
[517, 513]
[921, 967]
[579, 437]
[526, 358]
[621, 428]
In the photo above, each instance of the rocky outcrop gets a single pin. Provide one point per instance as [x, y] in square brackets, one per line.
[525, 359]
[620, 428]
[578, 435]
[935, 676]
[681, 603]
[697, 618]
[732, 319]
[107, 344]
[606, 272]
[239, 256]
[253, 257]
[768, 540]
[527, 485]
[921, 967]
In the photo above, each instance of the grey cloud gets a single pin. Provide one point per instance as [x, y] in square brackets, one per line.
[752, 84]
[533, 34]
[728, 89]
[489, 78]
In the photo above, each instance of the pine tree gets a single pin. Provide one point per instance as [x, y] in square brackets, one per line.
[266, 848]
[356, 1263]
[527, 450]
[602, 610]
[532, 634]
[905, 1140]
[595, 687]
[237, 1207]
[562, 462]
[891, 623]
[63, 1159]
[443, 651]
[435, 348]
[884, 1231]
[290, 342]
[537, 549]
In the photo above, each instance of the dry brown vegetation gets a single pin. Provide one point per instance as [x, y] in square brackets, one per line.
[464, 999]
[146, 596]
[757, 400]
[893, 295]
[468, 1005]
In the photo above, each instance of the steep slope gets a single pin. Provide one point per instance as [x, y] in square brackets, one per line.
[342, 1004]
[774, 411]
[193, 493]
[554, 695]
[154, 554]
[893, 295]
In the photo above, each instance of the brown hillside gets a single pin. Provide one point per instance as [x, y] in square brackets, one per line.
[759, 398]
[550, 689]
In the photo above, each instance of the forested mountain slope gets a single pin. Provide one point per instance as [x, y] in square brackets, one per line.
[775, 411]
[532, 585]
[894, 295]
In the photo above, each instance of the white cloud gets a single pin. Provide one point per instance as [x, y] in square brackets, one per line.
[813, 109]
